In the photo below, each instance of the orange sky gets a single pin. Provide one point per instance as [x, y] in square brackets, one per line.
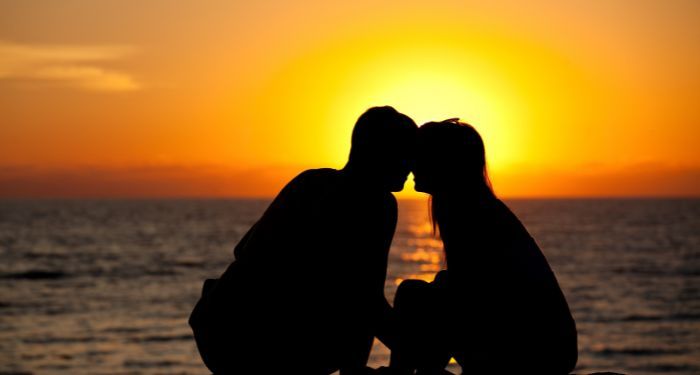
[224, 98]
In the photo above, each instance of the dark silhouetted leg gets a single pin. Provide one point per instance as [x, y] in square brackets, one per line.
[421, 343]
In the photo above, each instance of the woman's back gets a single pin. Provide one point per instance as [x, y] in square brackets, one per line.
[513, 304]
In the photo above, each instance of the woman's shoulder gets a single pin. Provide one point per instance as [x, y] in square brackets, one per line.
[484, 209]
[499, 209]
[491, 216]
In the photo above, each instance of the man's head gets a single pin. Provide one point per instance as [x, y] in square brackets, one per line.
[383, 142]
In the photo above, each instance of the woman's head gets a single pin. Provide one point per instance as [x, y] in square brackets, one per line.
[450, 158]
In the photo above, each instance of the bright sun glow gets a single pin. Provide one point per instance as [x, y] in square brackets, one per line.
[434, 89]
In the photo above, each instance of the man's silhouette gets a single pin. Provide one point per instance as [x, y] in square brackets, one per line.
[306, 290]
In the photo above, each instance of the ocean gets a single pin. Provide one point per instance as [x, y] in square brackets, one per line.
[106, 286]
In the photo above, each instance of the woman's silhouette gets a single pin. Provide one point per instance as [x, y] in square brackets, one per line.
[498, 307]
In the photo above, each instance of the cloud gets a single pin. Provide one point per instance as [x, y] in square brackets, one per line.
[90, 78]
[75, 66]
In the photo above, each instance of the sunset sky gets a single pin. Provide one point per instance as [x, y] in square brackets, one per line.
[116, 98]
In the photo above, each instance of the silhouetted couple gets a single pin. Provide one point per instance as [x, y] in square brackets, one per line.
[305, 294]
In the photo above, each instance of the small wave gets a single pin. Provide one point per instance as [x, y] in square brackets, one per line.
[685, 316]
[35, 275]
[36, 255]
[654, 271]
[122, 330]
[32, 357]
[654, 318]
[188, 263]
[637, 351]
[160, 273]
[161, 338]
[147, 364]
[61, 340]
[95, 353]
[645, 318]
[641, 318]
[667, 367]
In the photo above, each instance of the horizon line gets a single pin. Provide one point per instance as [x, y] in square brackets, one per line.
[271, 197]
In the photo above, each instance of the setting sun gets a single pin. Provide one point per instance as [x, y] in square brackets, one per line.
[434, 86]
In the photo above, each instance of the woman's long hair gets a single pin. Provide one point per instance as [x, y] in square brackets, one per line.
[459, 157]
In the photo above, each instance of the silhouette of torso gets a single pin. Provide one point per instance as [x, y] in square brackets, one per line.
[504, 296]
[306, 286]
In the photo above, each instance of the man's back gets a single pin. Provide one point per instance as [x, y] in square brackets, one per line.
[310, 271]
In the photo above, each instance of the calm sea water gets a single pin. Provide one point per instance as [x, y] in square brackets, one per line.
[105, 287]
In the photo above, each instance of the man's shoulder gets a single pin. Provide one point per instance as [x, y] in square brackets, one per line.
[318, 174]
[313, 177]
[336, 187]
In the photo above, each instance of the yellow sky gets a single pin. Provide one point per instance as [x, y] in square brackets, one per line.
[233, 98]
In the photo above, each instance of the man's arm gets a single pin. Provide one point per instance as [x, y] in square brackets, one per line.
[370, 235]
[238, 249]
[384, 325]
[285, 201]
[370, 230]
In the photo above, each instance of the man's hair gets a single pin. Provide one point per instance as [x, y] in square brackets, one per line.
[378, 131]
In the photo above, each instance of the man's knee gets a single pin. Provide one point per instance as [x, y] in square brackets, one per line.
[412, 286]
[411, 291]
